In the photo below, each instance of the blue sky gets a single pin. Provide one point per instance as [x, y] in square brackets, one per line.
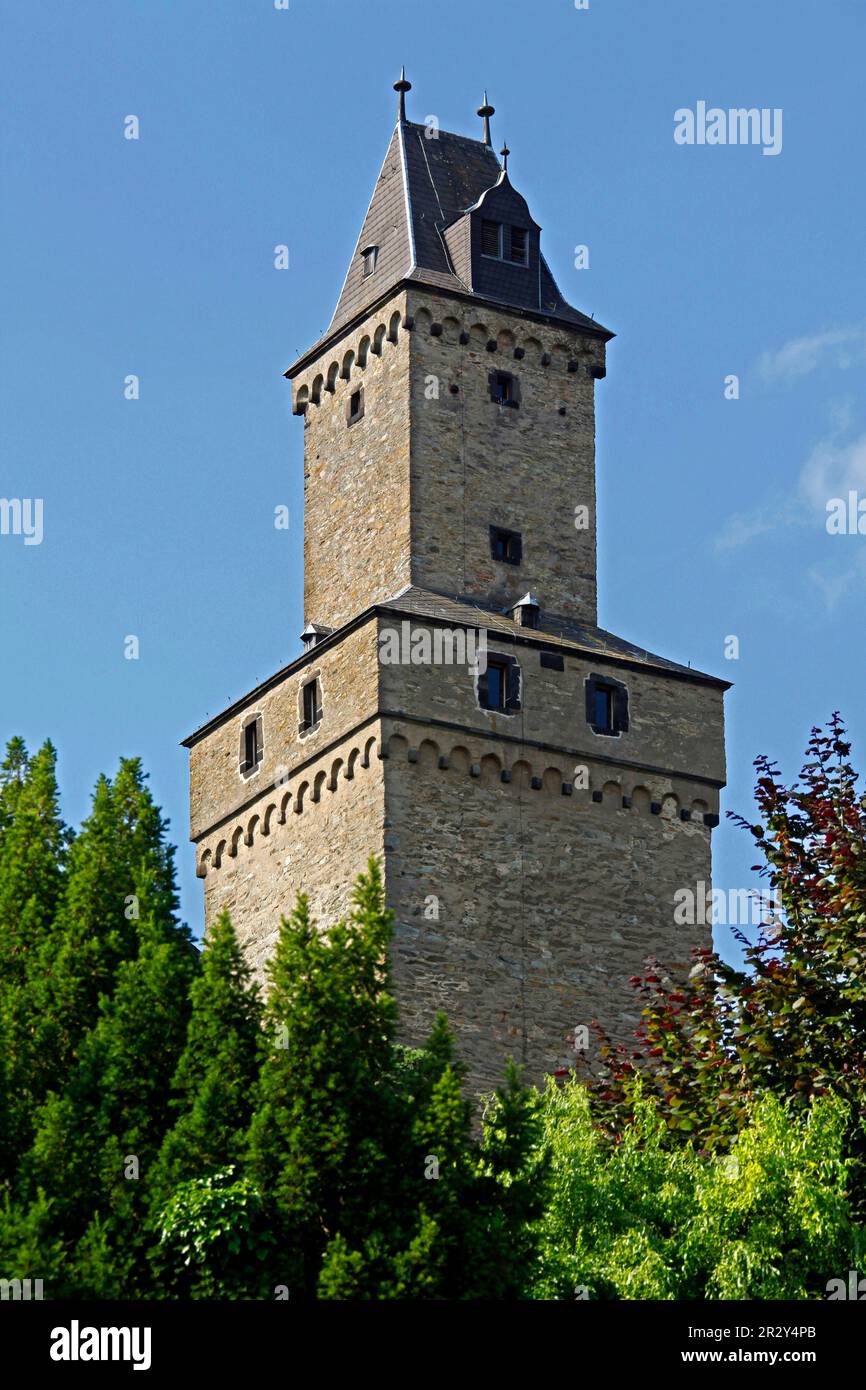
[259, 127]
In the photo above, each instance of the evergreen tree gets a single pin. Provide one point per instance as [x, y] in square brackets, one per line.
[33, 843]
[216, 1076]
[324, 1116]
[119, 858]
[96, 1146]
[13, 773]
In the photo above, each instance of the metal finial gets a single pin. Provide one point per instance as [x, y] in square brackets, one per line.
[505, 152]
[402, 86]
[486, 110]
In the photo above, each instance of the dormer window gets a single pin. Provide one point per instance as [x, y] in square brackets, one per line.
[518, 250]
[491, 239]
[369, 254]
[526, 611]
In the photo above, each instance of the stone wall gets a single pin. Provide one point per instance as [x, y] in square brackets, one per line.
[356, 476]
[526, 468]
[348, 672]
[407, 493]
[523, 912]
[676, 725]
[312, 835]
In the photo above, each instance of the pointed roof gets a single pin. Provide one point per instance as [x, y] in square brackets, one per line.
[426, 184]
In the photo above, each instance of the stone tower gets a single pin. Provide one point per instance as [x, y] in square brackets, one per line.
[536, 788]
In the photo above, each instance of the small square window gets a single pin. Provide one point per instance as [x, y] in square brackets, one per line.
[506, 546]
[369, 254]
[519, 246]
[312, 704]
[504, 389]
[491, 239]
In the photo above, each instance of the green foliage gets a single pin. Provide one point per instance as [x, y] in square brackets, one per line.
[215, 1240]
[639, 1220]
[323, 1108]
[792, 1022]
[163, 1133]
[33, 845]
[215, 1079]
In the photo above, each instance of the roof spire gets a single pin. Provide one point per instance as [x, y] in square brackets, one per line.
[505, 152]
[486, 110]
[402, 86]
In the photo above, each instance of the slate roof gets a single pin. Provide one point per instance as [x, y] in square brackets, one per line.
[425, 185]
[425, 603]
[555, 631]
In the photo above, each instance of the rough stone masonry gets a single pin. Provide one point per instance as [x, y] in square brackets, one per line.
[536, 817]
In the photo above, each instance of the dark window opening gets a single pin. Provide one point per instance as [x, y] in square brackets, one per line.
[312, 704]
[603, 709]
[491, 239]
[553, 661]
[527, 615]
[356, 406]
[251, 746]
[506, 546]
[499, 685]
[519, 246]
[369, 259]
[504, 389]
[606, 706]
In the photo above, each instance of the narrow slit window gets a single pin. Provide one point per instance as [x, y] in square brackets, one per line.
[251, 746]
[369, 255]
[496, 682]
[355, 408]
[312, 704]
[604, 709]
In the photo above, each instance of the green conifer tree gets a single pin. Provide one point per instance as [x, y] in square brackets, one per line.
[325, 1111]
[216, 1076]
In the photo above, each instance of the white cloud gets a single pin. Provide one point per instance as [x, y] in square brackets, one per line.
[833, 468]
[834, 579]
[840, 347]
[743, 527]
